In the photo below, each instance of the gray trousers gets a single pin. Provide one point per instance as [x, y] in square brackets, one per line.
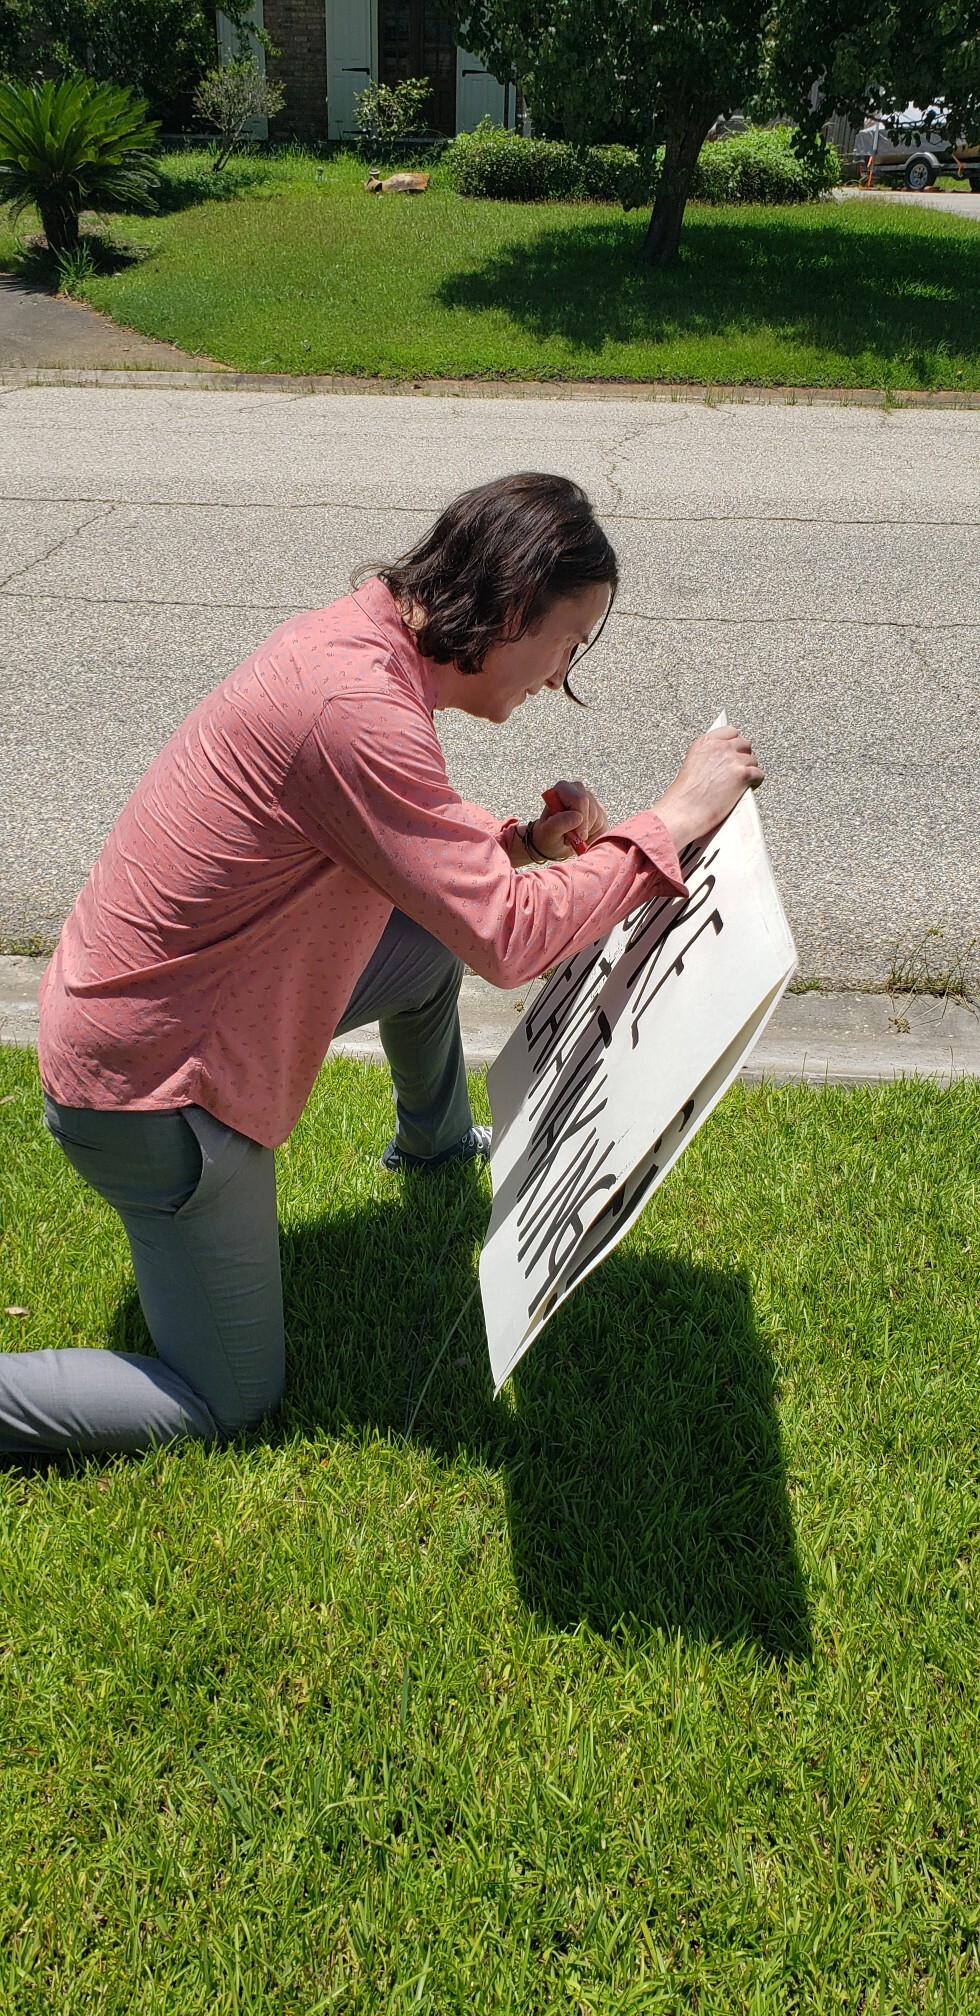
[198, 1202]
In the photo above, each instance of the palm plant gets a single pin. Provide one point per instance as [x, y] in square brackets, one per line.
[72, 146]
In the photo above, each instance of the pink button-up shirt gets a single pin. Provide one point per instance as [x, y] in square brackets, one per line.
[245, 885]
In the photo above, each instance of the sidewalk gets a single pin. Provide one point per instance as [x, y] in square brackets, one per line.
[835, 1039]
[201, 375]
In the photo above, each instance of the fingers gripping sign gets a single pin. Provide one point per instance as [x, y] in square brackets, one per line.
[576, 818]
[718, 768]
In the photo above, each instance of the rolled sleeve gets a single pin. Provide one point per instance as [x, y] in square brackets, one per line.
[369, 788]
[648, 832]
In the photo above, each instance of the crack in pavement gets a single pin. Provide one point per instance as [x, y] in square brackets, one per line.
[852, 524]
[38, 559]
[616, 451]
[802, 622]
[866, 623]
[165, 602]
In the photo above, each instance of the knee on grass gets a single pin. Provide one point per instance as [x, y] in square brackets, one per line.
[243, 1414]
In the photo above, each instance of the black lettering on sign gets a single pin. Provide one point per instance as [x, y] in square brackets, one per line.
[541, 1093]
[689, 859]
[552, 1223]
[642, 922]
[569, 1232]
[648, 993]
[535, 1211]
[552, 1025]
[574, 1102]
[654, 950]
[629, 1195]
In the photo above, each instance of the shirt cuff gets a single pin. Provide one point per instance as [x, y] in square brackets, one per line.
[506, 828]
[645, 831]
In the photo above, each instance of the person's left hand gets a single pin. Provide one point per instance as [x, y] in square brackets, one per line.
[582, 814]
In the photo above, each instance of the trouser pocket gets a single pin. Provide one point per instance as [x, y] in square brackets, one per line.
[172, 1162]
[222, 1152]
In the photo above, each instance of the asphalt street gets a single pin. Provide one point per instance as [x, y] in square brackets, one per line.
[809, 568]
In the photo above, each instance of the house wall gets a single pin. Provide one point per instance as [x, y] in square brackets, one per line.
[329, 52]
[352, 62]
[298, 30]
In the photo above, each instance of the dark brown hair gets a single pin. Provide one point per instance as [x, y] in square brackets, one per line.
[495, 562]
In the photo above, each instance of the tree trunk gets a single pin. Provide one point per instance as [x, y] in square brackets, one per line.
[681, 150]
[59, 222]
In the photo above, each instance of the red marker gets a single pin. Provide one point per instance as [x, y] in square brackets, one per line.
[554, 804]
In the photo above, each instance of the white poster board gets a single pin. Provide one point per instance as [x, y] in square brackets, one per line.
[614, 1068]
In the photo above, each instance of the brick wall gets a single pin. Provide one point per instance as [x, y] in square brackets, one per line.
[298, 28]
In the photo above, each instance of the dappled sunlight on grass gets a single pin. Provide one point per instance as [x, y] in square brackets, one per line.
[872, 297]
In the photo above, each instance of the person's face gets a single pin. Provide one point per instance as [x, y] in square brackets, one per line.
[513, 673]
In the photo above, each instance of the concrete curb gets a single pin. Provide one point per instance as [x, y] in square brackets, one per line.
[813, 1038]
[207, 379]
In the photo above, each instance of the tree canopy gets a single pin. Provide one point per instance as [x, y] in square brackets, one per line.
[159, 48]
[878, 59]
[658, 73]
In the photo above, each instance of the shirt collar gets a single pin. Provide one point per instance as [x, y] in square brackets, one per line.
[381, 609]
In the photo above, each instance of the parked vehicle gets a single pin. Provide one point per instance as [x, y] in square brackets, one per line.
[915, 146]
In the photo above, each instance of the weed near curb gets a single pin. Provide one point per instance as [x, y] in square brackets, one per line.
[930, 967]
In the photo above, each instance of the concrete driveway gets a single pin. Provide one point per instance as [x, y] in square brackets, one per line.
[43, 330]
[960, 202]
[812, 569]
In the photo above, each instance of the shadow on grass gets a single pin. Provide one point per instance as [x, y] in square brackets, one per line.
[36, 269]
[639, 1442]
[181, 187]
[849, 286]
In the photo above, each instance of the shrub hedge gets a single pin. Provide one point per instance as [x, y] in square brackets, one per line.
[760, 166]
[494, 162]
[754, 167]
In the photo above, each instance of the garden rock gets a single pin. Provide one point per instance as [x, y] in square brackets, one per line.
[397, 185]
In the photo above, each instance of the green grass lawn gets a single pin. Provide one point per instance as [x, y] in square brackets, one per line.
[650, 1687]
[298, 274]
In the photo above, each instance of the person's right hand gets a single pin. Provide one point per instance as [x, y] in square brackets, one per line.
[718, 767]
